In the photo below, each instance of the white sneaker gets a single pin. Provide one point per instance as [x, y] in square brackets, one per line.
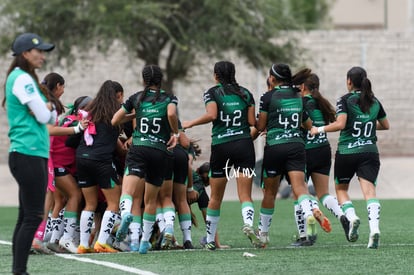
[373, 241]
[249, 232]
[264, 238]
[68, 245]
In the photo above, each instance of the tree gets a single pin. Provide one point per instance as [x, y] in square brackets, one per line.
[171, 33]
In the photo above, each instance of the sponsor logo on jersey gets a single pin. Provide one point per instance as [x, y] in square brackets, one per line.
[29, 89]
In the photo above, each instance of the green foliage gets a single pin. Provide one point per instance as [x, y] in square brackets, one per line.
[176, 32]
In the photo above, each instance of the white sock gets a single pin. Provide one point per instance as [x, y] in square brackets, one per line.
[265, 220]
[86, 222]
[331, 203]
[300, 221]
[247, 213]
[185, 225]
[169, 216]
[107, 224]
[349, 210]
[306, 205]
[373, 208]
[159, 219]
[135, 228]
[57, 230]
[69, 225]
[212, 219]
[125, 204]
[147, 226]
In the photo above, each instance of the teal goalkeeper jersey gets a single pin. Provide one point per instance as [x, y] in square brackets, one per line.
[153, 129]
[359, 134]
[231, 122]
[27, 135]
[284, 108]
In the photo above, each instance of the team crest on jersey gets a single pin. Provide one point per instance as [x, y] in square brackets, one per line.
[29, 89]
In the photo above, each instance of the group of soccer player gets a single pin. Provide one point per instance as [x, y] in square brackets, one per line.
[123, 206]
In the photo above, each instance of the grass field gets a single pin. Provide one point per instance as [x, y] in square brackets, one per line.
[332, 254]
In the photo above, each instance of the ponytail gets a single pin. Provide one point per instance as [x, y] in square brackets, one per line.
[327, 110]
[152, 76]
[226, 75]
[358, 78]
[367, 96]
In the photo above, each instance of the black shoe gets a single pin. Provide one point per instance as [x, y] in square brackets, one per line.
[345, 226]
[302, 242]
[211, 246]
[188, 245]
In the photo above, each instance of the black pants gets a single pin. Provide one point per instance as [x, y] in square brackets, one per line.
[31, 175]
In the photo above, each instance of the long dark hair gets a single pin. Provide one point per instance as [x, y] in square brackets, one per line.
[24, 64]
[152, 76]
[328, 111]
[51, 81]
[300, 77]
[226, 75]
[360, 81]
[282, 73]
[104, 105]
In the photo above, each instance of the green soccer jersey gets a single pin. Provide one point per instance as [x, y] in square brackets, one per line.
[231, 122]
[311, 107]
[27, 135]
[153, 129]
[359, 134]
[284, 108]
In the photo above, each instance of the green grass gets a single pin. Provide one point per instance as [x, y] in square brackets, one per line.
[332, 254]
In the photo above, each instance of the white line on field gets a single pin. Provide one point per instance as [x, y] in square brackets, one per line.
[107, 264]
[103, 263]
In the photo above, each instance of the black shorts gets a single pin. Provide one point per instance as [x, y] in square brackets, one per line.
[318, 160]
[239, 154]
[180, 166]
[364, 165]
[95, 172]
[61, 171]
[282, 158]
[169, 167]
[148, 163]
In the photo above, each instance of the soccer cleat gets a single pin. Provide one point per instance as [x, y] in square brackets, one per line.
[264, 239]
[249, 232]
[68, 245]
[210, 246]
[311, 231]
[203, 241]
[322, 220]
[56, 247]
[134, 247]
[39, 247]
[121, 246]
[83, 250]
[302, 242]
[345, 226]
[353, 230]
[144, 247]
[104, 248]
[188, 245]
[373, 242]
[122, 231]
[168, 238]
